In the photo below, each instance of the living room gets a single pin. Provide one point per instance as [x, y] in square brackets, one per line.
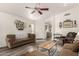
[39, 26]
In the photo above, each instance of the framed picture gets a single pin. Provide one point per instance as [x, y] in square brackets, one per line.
[68, 24]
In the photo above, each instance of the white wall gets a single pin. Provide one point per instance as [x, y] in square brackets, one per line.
[40, 33]
[7, 26]
[40, 27]
[74, 15]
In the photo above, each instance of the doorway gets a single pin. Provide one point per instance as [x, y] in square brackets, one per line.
[32, 28]
[48, 31]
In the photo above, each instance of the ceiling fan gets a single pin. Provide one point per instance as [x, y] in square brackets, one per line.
[38, 9]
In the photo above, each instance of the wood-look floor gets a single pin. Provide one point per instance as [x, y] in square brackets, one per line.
[19, 50]
[23, 49]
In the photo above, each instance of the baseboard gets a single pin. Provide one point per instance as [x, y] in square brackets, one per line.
[3, 47]
[39, 39]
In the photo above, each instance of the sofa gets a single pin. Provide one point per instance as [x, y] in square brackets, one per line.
[69, 38]
[70, 49]
[12, 41]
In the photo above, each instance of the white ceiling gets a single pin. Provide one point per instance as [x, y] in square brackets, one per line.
[20, 10]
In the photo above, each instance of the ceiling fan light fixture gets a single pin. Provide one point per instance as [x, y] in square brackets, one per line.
[38, 9]
[32, 11]
[40, 12]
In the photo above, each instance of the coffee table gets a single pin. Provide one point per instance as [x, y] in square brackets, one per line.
[48, 45]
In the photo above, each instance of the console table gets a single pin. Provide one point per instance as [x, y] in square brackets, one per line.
[57, 35]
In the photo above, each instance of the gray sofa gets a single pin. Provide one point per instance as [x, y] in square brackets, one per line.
[13, 42]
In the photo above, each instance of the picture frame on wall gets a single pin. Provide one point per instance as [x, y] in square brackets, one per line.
[60, 24]
[68, 23]
[75, 23]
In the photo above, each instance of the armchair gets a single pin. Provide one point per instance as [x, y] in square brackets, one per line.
[69, 38]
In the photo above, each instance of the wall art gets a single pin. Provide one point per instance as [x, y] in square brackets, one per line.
[68, 23]
[19, 25]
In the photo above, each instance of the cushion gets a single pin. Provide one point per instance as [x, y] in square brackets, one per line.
[71, 34]
[76, 38]
[67, 52]
[68, 46]
[11, 36]
[76, 46]
[21, 40]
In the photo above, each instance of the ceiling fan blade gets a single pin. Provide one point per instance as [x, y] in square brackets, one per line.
[44, 8]
[40, 12]
[32, 12]
[28, 7]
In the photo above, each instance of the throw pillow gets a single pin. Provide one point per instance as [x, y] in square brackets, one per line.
[76, 46]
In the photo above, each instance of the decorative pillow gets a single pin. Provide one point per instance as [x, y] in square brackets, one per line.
[76, 46]
[76, 38]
